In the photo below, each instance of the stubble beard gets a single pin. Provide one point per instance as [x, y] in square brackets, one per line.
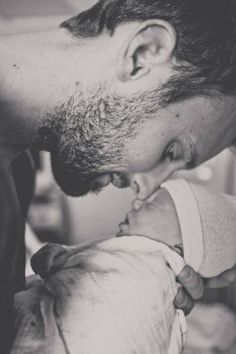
[87, 136]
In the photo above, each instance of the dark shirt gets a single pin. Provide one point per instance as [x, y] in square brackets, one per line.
[12, 244]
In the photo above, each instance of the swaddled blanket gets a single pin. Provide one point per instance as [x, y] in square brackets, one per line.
[113, 297]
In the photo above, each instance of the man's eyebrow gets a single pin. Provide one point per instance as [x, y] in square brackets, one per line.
[191, 152]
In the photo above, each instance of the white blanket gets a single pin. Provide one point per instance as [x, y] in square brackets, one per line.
[113, 297]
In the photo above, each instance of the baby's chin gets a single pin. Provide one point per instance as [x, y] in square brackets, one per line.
[126, 230]
[123, 228]
[120, 234]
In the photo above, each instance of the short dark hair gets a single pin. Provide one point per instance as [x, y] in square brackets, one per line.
[206, 39]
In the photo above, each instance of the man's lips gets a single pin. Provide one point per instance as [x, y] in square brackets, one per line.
[118, 180]
[101, 181]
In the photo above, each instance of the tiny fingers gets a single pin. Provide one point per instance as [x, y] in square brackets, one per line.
[48, 259]
[192, 282]
[183, 301]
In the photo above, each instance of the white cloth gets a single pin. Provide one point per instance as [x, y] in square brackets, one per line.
[113, 297]
[208, 223]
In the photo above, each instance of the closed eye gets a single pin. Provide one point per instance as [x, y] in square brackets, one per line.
[184, 150]
[174, 151]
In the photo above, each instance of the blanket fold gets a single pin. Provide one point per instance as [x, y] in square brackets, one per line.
[112, 297]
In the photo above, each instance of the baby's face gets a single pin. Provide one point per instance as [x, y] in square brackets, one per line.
[155, 218]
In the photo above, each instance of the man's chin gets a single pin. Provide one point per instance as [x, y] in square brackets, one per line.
[73, 188]
[77, 185]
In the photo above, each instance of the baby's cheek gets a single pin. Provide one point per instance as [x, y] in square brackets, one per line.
[144, 218]
[143, 222]
[135, 225]
[149, 222]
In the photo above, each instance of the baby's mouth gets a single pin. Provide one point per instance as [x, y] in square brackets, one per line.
[126, 221]
[123, 226]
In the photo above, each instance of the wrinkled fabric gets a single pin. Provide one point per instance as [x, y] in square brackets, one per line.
[113, 297]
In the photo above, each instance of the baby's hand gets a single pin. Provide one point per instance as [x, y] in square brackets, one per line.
[155, 218]
[49, 259]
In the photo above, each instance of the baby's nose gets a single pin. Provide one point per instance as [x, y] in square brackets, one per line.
[137, 203]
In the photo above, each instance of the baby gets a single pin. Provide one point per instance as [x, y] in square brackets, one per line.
[151, 217]
[183, 216]
[114, 296]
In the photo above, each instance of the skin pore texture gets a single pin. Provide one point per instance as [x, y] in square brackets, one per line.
[102, 134]
[88, 138]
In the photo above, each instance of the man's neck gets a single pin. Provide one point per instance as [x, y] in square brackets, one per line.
[15, 130]
[33, 81]
[15, 135]
[25, 92]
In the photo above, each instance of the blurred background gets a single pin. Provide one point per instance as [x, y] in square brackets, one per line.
[56, 218]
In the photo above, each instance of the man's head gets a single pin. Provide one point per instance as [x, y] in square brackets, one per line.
[154, 91]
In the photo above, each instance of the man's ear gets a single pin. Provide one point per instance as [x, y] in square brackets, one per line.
[153, 43]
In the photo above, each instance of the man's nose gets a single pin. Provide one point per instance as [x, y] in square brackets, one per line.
[146, 183]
